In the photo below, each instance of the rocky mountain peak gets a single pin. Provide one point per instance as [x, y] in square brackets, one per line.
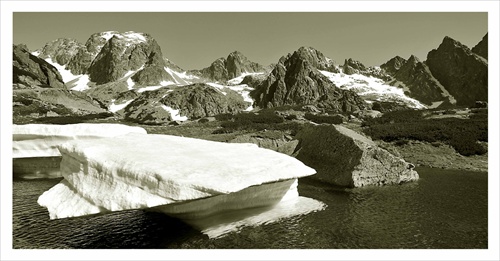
[314, 57]
[413, 59]
[60, 50]
[463, 73]
[481, 48]
[295, 80]
[127, 52]
[393, 65]
[234, 65]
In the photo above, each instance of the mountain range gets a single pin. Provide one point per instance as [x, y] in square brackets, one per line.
[128, 75]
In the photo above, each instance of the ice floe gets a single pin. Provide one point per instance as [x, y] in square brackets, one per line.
[201, 182]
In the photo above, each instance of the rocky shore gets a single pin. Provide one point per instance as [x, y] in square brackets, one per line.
[437, 155]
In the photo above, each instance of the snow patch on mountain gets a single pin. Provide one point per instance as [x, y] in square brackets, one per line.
[218, 87]
[116, 107]
[241, 89]
[371, 88]
[237, 80]
[81, 83]
[181, 78]
[73, 82]
[174, 114]
[155, 87]
[66, 74]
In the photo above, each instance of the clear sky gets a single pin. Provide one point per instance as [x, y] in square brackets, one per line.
[194, 40]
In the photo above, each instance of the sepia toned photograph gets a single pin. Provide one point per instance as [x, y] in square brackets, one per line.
[251, 130]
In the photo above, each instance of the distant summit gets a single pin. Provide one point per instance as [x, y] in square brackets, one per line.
[234, 65]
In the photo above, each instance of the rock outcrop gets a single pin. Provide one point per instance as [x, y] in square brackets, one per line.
[295, 80]
[481, 48]
[30, 71]
[233, 66]
[463, 73]
[345, 158]
[193, 102]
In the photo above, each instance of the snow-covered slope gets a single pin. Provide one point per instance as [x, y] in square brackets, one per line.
[371, 88]
[144, 171]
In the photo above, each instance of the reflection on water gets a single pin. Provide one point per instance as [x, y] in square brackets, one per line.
[444, 210]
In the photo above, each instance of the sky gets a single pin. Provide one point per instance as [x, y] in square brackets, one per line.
[193, 40]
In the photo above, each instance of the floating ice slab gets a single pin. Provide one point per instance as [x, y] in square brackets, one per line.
[215, 187]
[41, 140]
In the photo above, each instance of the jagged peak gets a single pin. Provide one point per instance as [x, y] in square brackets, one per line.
[413, 59]
[448, 41]
[236, 53]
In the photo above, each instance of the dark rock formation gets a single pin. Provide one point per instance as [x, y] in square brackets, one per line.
[234, 65]
[418, 81]
[194, 101]
[463, 73]
[481, 48]
[345, 158]
[60, 50]
[30, 71]
[295, 80]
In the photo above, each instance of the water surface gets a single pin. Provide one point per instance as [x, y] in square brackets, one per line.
[445, 209]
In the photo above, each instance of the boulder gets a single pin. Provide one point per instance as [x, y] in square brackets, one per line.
[345, 158]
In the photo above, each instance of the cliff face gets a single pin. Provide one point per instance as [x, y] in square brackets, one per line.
[463, 73]
[30, 71]
[295, 80]
[345, 158]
